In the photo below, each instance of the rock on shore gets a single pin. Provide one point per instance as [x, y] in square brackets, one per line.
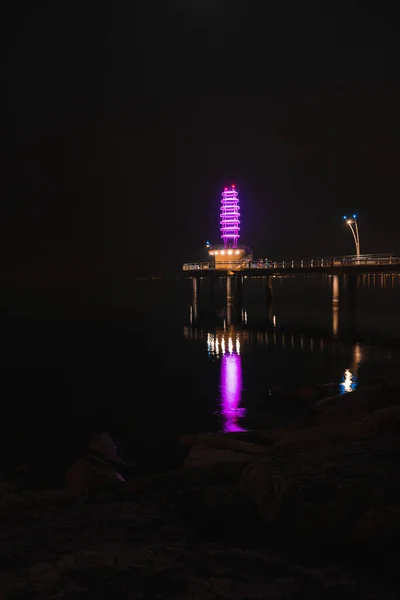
[310, 512]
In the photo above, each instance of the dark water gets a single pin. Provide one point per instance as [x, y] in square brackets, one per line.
[149, 374]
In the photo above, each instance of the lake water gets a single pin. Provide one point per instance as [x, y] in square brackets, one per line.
[153, 372]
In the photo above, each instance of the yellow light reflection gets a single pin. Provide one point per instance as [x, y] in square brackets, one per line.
[357, 357]
[335, 321]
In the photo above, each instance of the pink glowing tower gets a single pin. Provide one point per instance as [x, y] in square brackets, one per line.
[230, 217]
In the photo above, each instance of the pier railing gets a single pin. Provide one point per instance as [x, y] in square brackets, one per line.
[363, 260]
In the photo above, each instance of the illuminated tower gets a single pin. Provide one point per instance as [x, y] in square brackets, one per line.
[231, 256]
[230, 217]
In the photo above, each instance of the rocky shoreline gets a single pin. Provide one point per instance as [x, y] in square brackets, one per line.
[310, 511]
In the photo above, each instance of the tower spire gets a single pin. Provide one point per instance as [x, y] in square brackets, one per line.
[230, 217]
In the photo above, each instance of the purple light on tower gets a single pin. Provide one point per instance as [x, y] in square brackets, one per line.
[230, 217]
[231, 391]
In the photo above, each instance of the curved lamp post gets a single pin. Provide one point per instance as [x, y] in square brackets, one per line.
[352, 223]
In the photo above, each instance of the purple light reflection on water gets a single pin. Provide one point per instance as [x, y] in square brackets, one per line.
[231, 391]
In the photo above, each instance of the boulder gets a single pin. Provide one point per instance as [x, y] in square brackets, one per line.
[380, 524]
[313, 437]
[303, 393]
[269, 437]
[97, 470]
[380, 423]
[201, 454]
[358, 404]
[207, 449]
[343, 492]
[226, 442]
[105, 446]
[11, 498]
[87, 476]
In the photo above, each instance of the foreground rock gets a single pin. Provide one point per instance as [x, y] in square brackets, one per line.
[343, 493]
[158, 546]
[307, 512]
[99, 469]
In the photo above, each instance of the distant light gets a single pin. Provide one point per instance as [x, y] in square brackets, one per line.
[233, 185]
[354, 216]
[345, 217]
[349, 382]
[237, 251]
[222, 251]
[225, 189]
[229, 251]
[349, 221]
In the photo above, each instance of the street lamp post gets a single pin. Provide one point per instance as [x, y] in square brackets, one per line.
[352, 223]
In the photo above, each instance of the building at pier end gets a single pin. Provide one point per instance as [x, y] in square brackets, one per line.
[230, 255]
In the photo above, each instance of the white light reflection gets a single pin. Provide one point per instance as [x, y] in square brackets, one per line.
[223, 346]
[220, 344]
[348, 384]
[349, 381]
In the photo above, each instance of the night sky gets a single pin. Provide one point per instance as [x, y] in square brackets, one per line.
[125, 120]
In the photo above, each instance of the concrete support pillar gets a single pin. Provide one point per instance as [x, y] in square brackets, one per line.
[195, 297]
[335, 304]
[335, 291]
[239, 289]
[269, 288]
[229, 289]
[228, 300]
[212, 291]
[270, 314]
[269, 291]
[352, 303]
[352, 291]
[238, 302]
